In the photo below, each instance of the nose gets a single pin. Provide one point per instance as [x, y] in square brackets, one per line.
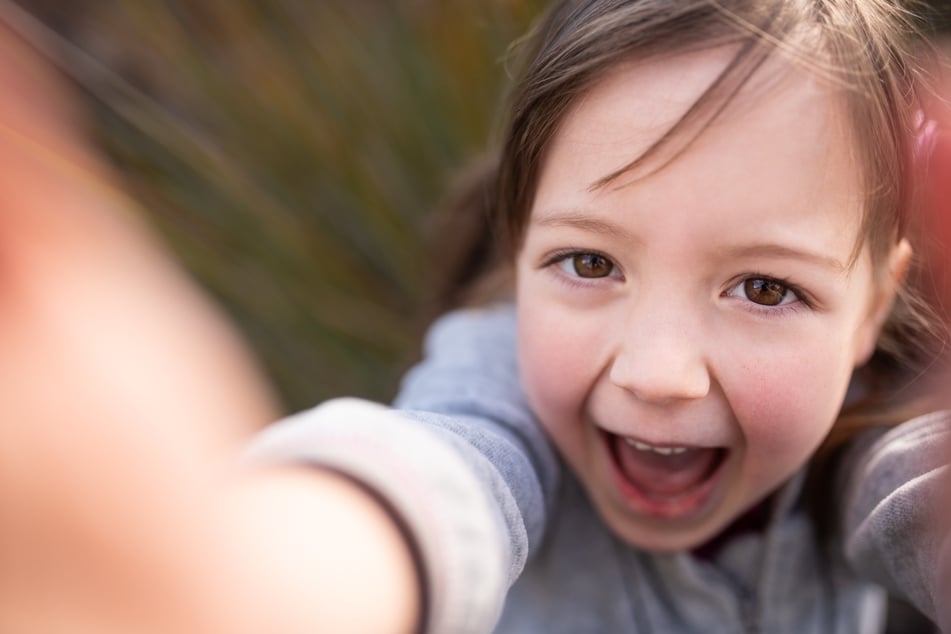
[661, 359]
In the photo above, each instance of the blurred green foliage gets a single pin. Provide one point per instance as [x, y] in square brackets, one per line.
[292, 152]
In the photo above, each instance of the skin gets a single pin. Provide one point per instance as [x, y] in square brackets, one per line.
[641, 283]
[126, 398]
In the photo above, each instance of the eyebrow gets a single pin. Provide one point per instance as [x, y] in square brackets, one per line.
[771, 250]
[577, 219]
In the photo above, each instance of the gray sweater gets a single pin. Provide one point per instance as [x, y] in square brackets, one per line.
[508, 542]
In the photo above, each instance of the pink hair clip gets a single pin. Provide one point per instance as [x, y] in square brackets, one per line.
[926, 136]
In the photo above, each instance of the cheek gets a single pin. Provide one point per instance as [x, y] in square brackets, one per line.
[786, 402]
[558, 353]
[549, 362]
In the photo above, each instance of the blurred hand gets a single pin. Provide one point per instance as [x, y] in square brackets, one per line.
[126, 398]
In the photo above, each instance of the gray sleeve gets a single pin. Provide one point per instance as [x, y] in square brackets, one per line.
[468, 386]
[459, 460]
[894, 526]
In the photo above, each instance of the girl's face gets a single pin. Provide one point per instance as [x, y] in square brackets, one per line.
[687, 336]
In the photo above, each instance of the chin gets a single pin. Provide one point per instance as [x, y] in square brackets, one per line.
[660, 540]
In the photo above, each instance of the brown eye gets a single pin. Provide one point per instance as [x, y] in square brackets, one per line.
[591, 265]
[765, 292]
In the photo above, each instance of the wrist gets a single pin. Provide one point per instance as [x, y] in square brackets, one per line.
[322, 551]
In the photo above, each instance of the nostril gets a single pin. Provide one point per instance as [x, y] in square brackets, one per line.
[661, 386]
[661, 362]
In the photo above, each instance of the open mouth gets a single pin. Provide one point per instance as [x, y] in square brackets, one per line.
[665, 480]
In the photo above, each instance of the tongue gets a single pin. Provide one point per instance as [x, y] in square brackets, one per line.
[659, 476]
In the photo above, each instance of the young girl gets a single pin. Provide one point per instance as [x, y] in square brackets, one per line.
[678, 421]
[671, 422]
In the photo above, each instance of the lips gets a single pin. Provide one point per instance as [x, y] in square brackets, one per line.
[665, 480]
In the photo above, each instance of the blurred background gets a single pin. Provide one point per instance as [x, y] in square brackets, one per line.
[292, 153]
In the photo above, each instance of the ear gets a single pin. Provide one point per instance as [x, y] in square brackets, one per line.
[883, 300]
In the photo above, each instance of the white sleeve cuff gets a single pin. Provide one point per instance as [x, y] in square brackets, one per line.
[427, 483]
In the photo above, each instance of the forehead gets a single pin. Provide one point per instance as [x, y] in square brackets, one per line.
[779, 145]
[653, 95]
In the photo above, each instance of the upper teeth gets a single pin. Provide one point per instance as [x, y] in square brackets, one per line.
[664, 451]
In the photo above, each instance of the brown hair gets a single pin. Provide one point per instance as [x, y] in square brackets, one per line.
[862, 47]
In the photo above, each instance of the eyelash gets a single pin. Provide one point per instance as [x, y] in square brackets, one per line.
[802, 298]
[577, 281]
[802, 302]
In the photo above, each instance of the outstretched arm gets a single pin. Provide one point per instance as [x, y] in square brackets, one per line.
[896, 532]
[461, 462]
[126, 397]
